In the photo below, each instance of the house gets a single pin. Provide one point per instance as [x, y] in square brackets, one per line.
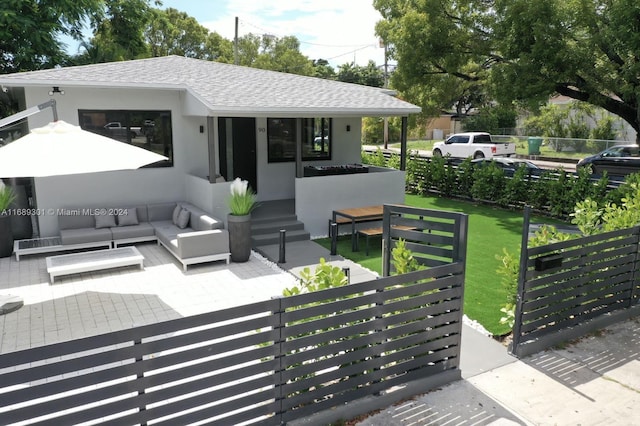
[215, 122]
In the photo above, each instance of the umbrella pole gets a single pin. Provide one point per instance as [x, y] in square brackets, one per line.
[51, 103]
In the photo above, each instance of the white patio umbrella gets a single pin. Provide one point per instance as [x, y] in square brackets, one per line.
[60, 148]
[64, 149]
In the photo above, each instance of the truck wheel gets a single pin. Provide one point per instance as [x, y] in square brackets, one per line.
[133, 135]
[437, 153]
[478, 155]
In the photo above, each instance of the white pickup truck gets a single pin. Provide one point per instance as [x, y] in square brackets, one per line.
[473, 144]
[117, 129]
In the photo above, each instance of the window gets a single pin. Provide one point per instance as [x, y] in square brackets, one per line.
[482, 139]
[316, 143]
[150, 130]
[283, 134]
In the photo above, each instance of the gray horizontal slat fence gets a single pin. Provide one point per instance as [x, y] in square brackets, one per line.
[569, 288]
[436, 237]
[148, 373]
[264, 363]
[371, 337]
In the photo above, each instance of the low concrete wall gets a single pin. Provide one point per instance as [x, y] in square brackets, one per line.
[317, 197]
[211, 197]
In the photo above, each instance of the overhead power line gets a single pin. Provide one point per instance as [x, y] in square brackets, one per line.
[266, 31]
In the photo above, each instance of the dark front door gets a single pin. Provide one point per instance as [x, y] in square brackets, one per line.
[237, 142]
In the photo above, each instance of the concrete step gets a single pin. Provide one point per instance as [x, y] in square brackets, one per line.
[274, 238]
[274, 226]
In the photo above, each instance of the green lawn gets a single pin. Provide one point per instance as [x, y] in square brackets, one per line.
[490, 230]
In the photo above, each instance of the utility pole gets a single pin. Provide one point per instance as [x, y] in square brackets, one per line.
[235, 44]
[386, 85]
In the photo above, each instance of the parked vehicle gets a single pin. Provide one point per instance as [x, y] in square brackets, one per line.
[619, 160]
[117, 129]
[472, 144]
[510, 164]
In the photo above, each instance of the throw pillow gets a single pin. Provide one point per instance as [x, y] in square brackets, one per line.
[127, 217]
[176, 213]
[183, 218]
[105, 220]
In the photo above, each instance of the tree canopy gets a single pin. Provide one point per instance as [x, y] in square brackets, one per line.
[30, 31]
[516, 50]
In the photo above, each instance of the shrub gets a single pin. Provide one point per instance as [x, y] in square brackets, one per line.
[489, 182]
[517, 189]
[465, 178]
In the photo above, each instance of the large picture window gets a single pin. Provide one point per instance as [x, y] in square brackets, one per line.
[150, 130]
[314, 135]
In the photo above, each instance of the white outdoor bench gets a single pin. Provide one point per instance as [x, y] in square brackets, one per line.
[49, 245]
[75, 263]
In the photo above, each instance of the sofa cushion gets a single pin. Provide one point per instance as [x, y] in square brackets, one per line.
[141, 230]
[183, 219]
[128, 217]
[104, 220]
[85, 235]
[176, 214]
[201, 220]
[73, 218]
[167, 234]
[160, 211]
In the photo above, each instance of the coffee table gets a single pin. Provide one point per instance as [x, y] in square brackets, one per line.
[75, 263]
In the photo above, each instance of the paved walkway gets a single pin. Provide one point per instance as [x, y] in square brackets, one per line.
[595, 381]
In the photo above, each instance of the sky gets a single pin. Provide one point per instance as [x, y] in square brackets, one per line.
[341, 31]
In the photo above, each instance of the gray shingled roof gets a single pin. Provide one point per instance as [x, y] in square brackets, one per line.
[225, 88]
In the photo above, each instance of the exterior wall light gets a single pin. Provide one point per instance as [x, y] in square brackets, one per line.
[55, 89]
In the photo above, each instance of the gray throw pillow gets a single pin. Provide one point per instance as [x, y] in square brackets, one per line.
[127, 217]
[105, 220]
[183, 219]
[176, 213]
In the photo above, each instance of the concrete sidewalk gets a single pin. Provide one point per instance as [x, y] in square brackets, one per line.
[594, 381]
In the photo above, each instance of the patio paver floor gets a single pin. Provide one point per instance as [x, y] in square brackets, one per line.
[99, 302]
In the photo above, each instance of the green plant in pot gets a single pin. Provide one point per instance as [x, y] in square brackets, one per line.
[7, 196]
[241, 203]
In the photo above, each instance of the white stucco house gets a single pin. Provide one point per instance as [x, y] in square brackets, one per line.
[215, 122]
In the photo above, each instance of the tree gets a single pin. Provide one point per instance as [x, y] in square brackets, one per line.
[171, 32]
[442, 51]
[283, 54]
[519, 50]
[30, 31]
[119, 33]
[369, 75]
[491, 119]
[322, 69]
[218, 48]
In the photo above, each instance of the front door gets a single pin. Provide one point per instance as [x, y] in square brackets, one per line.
[237, 144]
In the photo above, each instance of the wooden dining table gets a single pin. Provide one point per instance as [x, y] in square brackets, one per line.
[355, 215]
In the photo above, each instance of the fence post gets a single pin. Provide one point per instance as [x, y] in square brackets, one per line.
[283, 241]
[633, 297]
[333, 233]
[278, 347]
[524, 255]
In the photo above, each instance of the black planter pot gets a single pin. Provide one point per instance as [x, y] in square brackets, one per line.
[239, 237]
[6, 236]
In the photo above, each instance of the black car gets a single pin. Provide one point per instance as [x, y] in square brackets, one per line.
[619, 160]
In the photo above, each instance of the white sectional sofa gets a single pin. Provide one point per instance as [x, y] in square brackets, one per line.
[187, 232]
